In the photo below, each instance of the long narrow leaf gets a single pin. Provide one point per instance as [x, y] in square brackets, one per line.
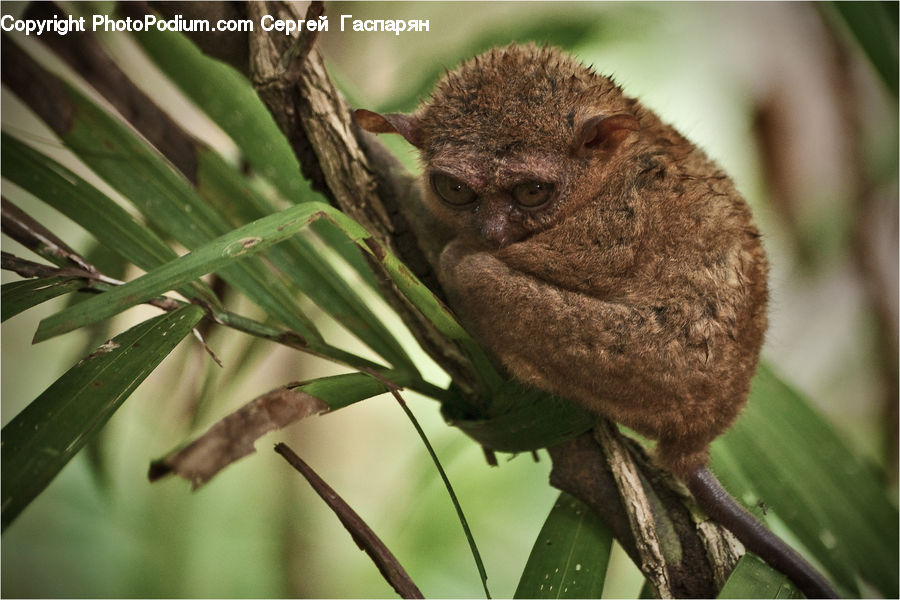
[71, 195]
[18, 296]
[219, 253]
[41, 439]
[570, 556]
[166, 198]
[473, 547]
[339, 391]
[299, 261]
[229, 99]
[800, 468]
[23, 228]
[292, 340]
[752, 578]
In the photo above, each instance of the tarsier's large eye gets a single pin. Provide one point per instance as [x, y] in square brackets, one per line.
[452, 191]
[532, 194]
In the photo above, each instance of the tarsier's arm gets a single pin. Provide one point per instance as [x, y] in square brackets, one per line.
[628, 354]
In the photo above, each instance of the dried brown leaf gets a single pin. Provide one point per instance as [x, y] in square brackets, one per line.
[233, 437]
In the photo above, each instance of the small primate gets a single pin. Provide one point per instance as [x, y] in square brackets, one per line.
[600, 256]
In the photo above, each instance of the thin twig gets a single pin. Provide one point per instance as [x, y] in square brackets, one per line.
[362, 534]
[96, 282]
[34, 236]
[30, 269]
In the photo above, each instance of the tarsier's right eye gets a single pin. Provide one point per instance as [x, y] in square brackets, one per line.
[452, 191]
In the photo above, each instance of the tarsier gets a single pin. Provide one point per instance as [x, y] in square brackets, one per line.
[600, 256]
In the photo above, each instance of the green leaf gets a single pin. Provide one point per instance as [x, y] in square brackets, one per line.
[299, 260]
[523, 418]
[83, 203]
[166, 199]
[570, 556]
[874, 25]
[291, 339]
[339, 391]
[225, 250]
[229, 99]
[834, 504]
[467, 531]
[753, 578]
[41, 439]
[19, 296]
[108, 222]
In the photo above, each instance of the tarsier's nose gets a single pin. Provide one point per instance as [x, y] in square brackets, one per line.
[494, 231]
[494, 222]
[495, 228]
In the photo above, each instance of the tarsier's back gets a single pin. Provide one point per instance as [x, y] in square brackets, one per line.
[595, 251]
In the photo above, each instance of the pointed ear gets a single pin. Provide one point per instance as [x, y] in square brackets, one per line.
[603, 133]
[405, 125]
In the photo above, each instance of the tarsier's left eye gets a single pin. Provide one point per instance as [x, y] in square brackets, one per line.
[532, 194]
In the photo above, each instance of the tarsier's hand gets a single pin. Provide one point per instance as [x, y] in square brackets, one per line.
[618, 358]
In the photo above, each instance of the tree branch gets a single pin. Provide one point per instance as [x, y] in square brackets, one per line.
[359, 177]
[654, 519]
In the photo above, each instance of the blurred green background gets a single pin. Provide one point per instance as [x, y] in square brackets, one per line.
[780, 94]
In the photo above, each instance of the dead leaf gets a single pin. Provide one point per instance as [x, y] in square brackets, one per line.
[233, 437]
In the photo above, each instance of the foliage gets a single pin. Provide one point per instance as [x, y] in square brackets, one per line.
[251, 230]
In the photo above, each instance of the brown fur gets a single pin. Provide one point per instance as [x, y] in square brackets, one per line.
[639, 290]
